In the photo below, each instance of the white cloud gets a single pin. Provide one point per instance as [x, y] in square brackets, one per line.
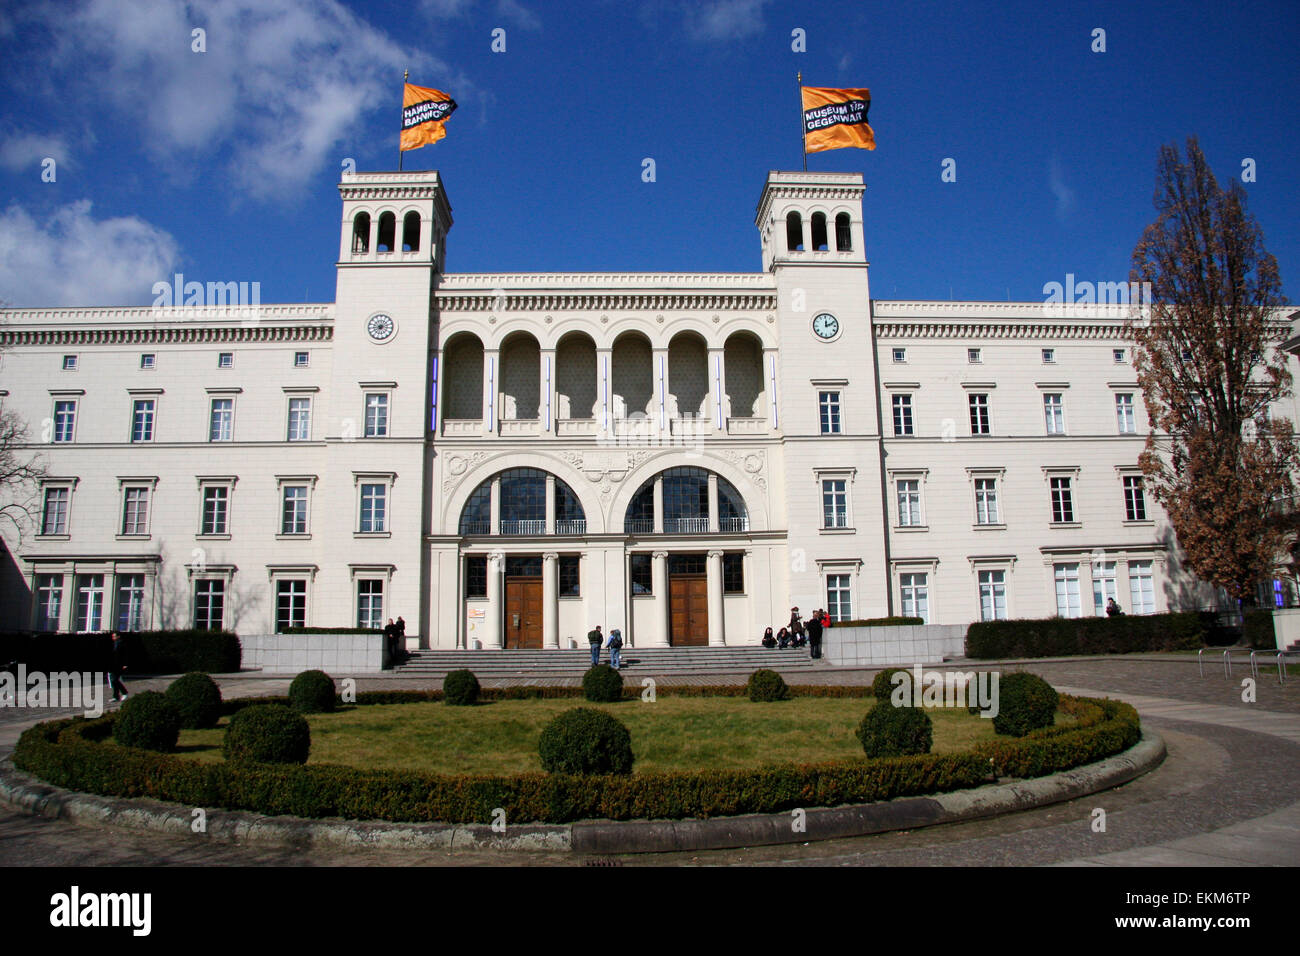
[26, 151]
[1063, 193]
[441, 9]
[845, 60]
[71, 258]
[724, 19]
[514, 12]
[511, 11]
[281, 86]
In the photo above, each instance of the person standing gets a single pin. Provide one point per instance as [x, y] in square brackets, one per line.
[615, 645]
[118, 665]
[390, 641]
[595, 639]
[401, 637]
[815, 633]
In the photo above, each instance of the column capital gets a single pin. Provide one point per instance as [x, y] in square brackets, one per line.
[660, 554]
[715, 554]
[550, 555]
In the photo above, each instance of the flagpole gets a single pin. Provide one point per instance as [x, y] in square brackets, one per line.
[803, 132]
[406, 75]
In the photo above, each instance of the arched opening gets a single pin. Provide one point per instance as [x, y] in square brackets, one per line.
[688, 375]
[387, 232]
[843, 233]
[521, 505]
[743, 358]
[732, 513]
[794, 232]
[411, 232]
[819, 231]
[633, 376]
[361, 234]
[685, 495]
[462, 390]
[521, 383]
[575, 377]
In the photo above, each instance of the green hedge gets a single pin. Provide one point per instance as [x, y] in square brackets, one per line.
[147, 652]
[64, 753]
[1068, 637]
[1258, 629]
[881, 622]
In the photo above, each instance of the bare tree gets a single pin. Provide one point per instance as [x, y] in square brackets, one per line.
[20, 470]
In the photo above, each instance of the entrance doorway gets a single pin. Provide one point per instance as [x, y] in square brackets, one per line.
[688, 601]
[523, 613]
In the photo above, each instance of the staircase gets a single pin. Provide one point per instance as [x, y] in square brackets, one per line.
[637, 662]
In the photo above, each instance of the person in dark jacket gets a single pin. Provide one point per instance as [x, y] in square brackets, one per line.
[783, 638]
[118, 665]
[595, 639]
[768, 639]
[390, 640]
[401, 637]
[815, 633]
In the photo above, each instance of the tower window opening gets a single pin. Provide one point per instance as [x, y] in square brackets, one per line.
[361, 233]
[794, 232]
[411, 232]
[387, 232]
[843, 237]
[819, 232]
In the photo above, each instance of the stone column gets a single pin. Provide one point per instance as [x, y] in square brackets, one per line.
[661, 413]
[713, 503]
[548, 410]
[550, 600]
[659, 505]
[492, 620]
[718, 410]
[494, 509]
[717, 635]
[660, 585]
[491, 390]
[550, 504]
[604, 391]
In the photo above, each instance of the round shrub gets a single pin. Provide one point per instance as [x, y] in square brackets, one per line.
[198, 698]
[267, 733]
[602, 684]
[460, 688]
[882, 686]
[1025, 702]
[312, 692]
[765, 685]
[889, 731]
[585, 740]
[147, 720]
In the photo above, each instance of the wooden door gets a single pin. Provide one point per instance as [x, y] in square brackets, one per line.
[523, 612]
[688, 610]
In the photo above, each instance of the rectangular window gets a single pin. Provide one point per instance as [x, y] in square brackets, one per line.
[900, 355]
[828, 404]
[476, 576]
[915, 591]
[1124, 413]
[370, 603]
[973, 356]
[90, 603]
[570, 575]
[986, 501]
[216, 502]
[49, 601]
[835, 503]
[1118, 354]
[222, 420]
[142, 420]
[225, 360]
[293, 513]
[130, 602]
[147, 360]
[290, 604]
[1141, 590]
[1067, 591]
[135, 510]
[839, 601]
[733, 574]
[373, 500]
[909, 502]
[1054, 412]
[1049, 356]
[54, 516]
[69, 363]
[65, 421]
[1103, 586]
[376, 415]
[640, 572]
[902, 414]
[1062, 501]
[979, 414]
[993, 596]
[1135, 502]
[209, 604]
[300, 359]
[299, 419]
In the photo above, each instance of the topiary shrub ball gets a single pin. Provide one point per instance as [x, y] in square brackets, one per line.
[312, 692]
[267, 733]
[882, 685]
[766, 685]
[602, 684]
[147, 720]
[460, 688]
[585, 740]
[1025, 702]
[198, 699]
[889, 731]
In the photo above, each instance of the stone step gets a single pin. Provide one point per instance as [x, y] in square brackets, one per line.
[488, 663]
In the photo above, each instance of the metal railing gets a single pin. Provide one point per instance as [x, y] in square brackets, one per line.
[476, 527]
[571, 526]
[733, 524]
[687, 525]
[638, 526]
[523, 526]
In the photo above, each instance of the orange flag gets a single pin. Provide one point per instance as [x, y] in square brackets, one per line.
[835, 119]
[424, 112]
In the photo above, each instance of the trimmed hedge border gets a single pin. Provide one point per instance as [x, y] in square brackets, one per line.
[147, 652]
[66, 753]
[1069, 637]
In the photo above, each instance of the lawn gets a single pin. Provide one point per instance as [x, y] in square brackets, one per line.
[672, 733]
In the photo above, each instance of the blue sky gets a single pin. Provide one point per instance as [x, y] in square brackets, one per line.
[223, 164]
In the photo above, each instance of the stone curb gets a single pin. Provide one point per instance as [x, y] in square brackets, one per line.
[26, 794]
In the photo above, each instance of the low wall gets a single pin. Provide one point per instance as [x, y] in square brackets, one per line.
[332, 653]
[1286, 627]
[897, 644]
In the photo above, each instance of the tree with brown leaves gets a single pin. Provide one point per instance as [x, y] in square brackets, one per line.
[1208, 364]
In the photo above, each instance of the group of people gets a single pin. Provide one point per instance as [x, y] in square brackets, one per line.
[395, 636]
[615, 644]
[800, 633]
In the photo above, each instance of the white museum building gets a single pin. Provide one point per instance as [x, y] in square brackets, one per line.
[508, 459]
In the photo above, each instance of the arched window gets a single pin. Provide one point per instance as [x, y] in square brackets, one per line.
[387, 231]
[732, 515]
[685, 504]
[819, 231]
[521, 506]
[794, 232]
[411, 232]
[843, 236]
[476, 518]
[361, 233]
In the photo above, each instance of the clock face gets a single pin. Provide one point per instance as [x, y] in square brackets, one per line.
[380, 327]
[826, 325]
